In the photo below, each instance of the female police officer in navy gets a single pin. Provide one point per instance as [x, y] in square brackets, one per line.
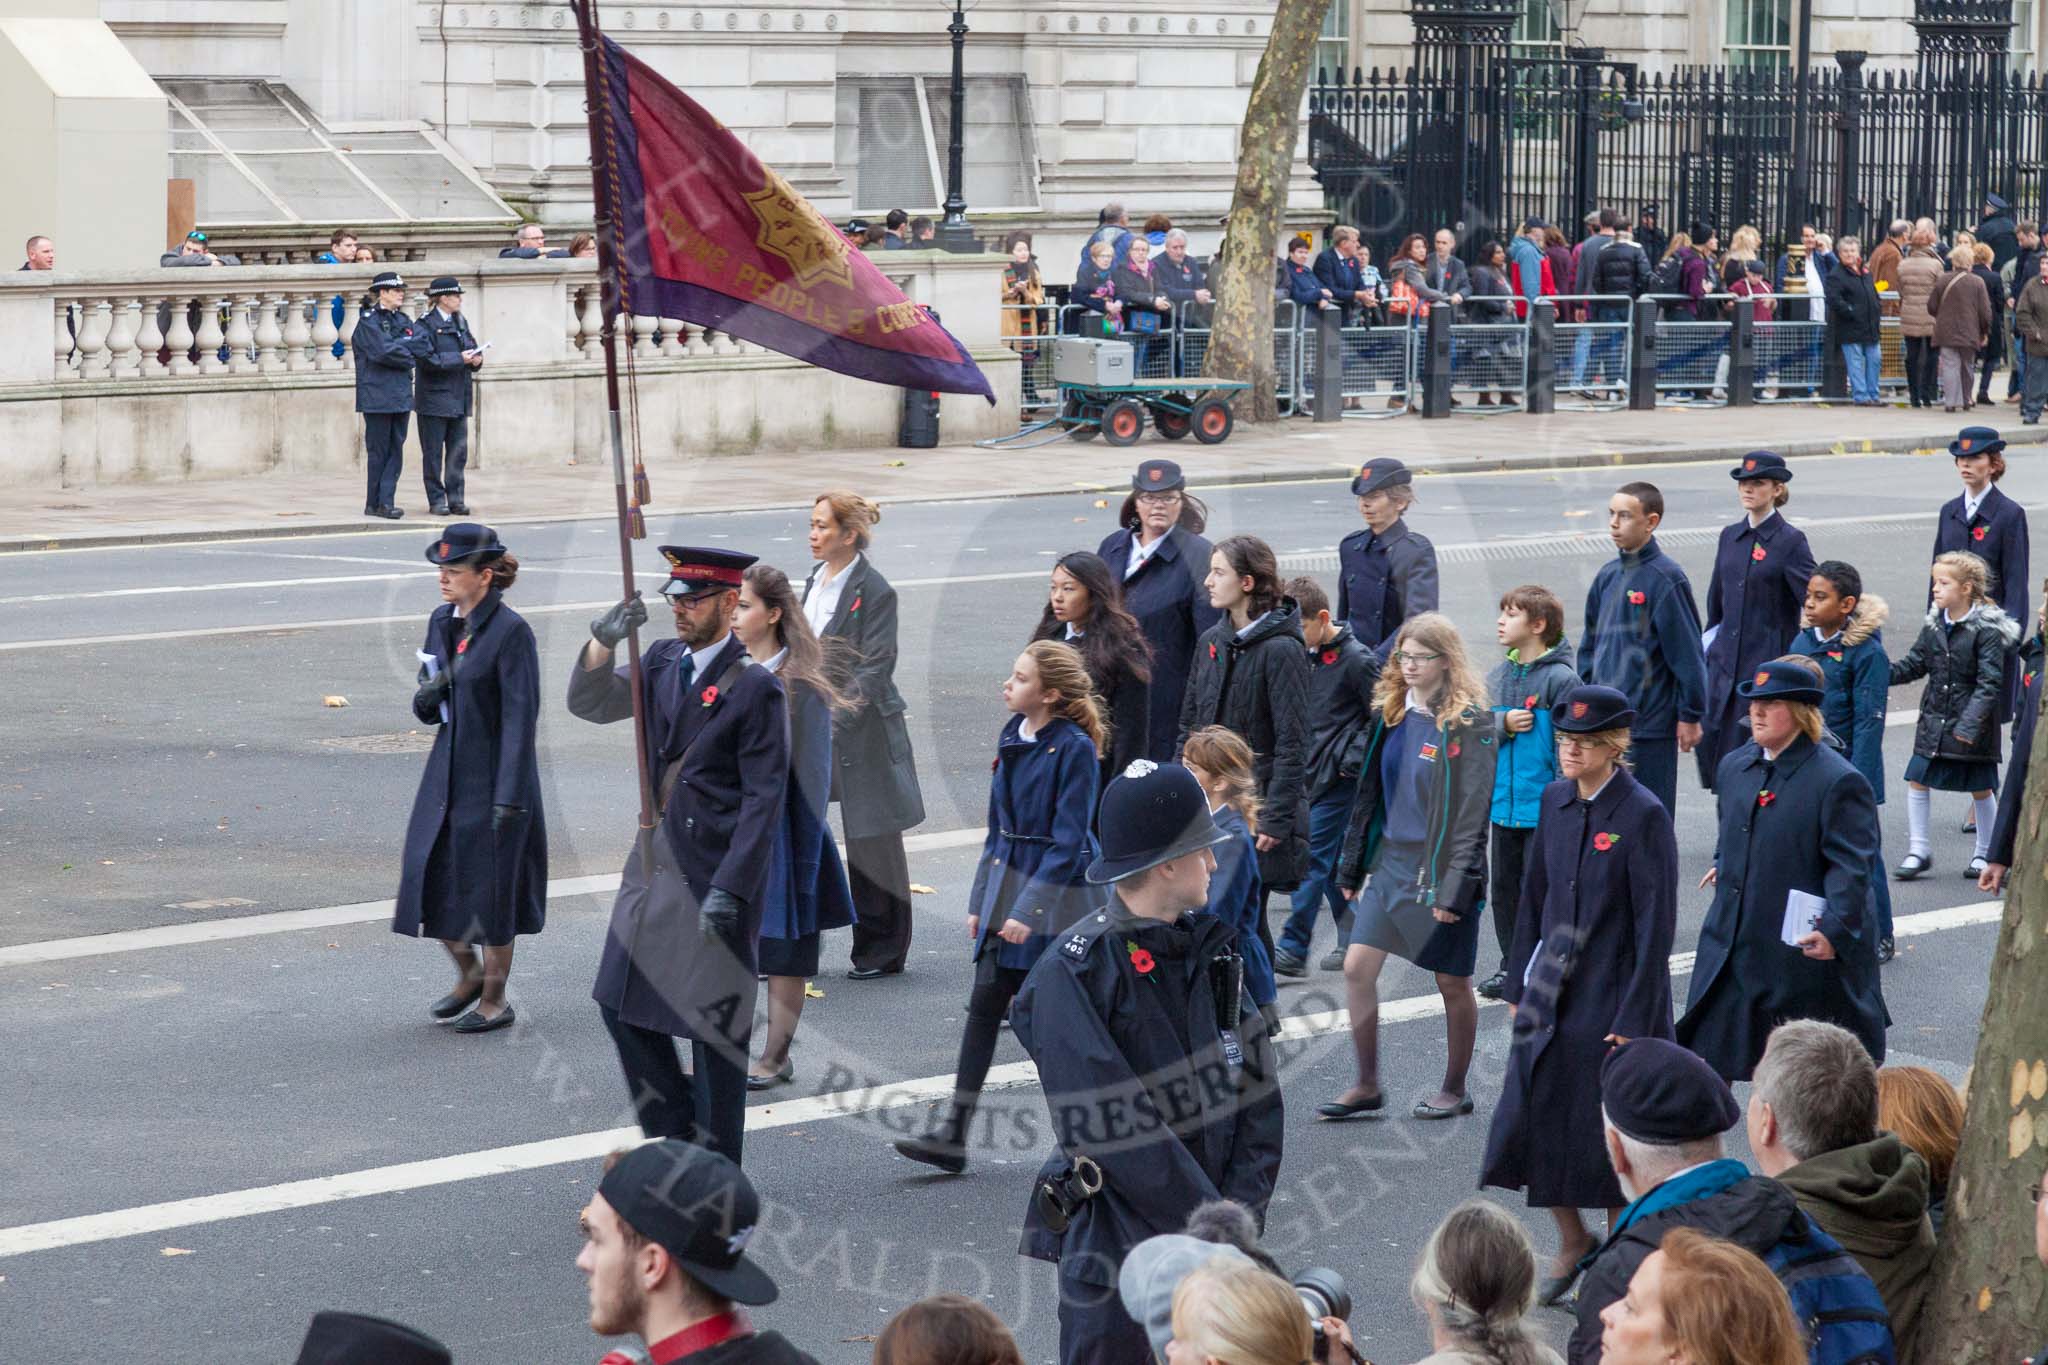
[1756, 599]
[1155, 1066]
[1798, 837]
[1387, 573]
[1161, 559]
[1589, 970]
[476, 849]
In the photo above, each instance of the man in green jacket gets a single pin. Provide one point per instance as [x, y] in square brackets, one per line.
[1813, 1128]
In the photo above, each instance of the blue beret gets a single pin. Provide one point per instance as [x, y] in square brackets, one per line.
[1655, 1091]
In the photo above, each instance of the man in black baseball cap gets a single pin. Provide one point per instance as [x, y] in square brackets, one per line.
[1104, 1016]
[664, 1250]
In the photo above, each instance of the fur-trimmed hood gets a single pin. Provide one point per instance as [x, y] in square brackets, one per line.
[1871, 613]
[1991, 614]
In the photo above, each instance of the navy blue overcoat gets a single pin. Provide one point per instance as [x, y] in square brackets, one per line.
[729, 728]
[1172, 607]
[462, 880]
[1755, 601]
[1816, 832]
[1034, 862]
[1591, 957]
[1642, 637]
[1997, 534]
[806, 891]
[1382, 581]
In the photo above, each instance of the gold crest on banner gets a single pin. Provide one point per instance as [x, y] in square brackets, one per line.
[792, 229]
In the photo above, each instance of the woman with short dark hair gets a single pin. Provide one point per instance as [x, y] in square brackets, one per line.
[476, 848]
[1160, 558]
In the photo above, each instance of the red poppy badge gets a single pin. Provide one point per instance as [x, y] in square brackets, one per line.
[1637, 599]
[709, 694]
[1529, 702]
[854, 608]
[1835, 654]
[1605, 840]
[1212, 649]
[1977, 532]
[1141, 960]
[461, 646]
[1756, 552]
[1329, 656]
[1766, 796]
[1456, 748]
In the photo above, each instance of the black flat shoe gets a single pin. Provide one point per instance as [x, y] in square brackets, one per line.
[439, 509]
[474, 1021]
[872, 973]
[932, 1152]
[1491, 988]
[1333, 961]
[1287, 964]
[458, 509]
[1911, 866]
[1554, 1288]
[1425, 1110]
[391, 513]
[1886, 949]
[454, 1003]
[773, 1079]
[1337, 1109]
[1974, 870]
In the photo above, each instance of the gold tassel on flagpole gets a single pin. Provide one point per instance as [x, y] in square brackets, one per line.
[636, 524]
[641, 495]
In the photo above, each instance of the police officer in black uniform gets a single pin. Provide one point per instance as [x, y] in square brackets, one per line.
[1386, 572]
[679, 959]
[386, 349]
[1155, 1065]
[448, 362]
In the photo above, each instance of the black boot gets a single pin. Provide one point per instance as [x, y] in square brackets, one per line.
[945, 1145]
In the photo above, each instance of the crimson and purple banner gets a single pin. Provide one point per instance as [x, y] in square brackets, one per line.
[709, 235]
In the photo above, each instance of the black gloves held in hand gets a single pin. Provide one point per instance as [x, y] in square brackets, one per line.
[620, 621]
[426, 702]
[719, 916]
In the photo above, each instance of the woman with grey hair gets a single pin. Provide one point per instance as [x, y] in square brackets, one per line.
[1476, 1283]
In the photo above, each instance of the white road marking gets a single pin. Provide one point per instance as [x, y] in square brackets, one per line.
[329, 916]
[26, 1238]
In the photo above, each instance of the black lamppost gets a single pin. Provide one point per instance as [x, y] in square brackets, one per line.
[954, 233]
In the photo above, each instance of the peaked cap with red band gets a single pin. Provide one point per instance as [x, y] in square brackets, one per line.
[692, 570]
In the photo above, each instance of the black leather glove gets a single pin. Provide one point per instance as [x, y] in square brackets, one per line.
[719, 916]
[504, 817]
[620, 621]
[426, 702]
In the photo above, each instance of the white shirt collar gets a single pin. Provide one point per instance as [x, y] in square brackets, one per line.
[1251, 624]
[1074, 632]
[1416, 704]
[1972, 501]
[709, 651]
[1024, 730]
[1140, 551]
[774, 665]
[1602, 787]
[823, 599]
[1824, 639]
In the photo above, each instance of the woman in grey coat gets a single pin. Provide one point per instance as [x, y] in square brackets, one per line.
[852, 608]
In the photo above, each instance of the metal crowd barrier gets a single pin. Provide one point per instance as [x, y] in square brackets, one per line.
[1593, 352]
[1489, 358]
[1693, 352]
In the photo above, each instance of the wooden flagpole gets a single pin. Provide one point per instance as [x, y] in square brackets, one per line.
[604, 188]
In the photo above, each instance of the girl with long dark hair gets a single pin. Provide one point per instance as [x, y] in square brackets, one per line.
[807, 891]
[1032, 880]
[1084, 608]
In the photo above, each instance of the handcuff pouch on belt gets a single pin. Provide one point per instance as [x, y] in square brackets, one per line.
[1060, 1196]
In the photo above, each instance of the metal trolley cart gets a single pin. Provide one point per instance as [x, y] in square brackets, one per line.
[1098, 396]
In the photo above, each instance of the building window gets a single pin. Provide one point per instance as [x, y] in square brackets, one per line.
[1333, 44]
[892, 134]
[2023, 35]
[1536, 30]
[1759, 33]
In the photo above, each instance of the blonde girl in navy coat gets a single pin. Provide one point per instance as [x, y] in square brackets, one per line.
[1222, 762]
[1032, 880]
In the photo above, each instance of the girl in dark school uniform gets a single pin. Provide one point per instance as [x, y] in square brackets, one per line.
[1222, 763]
[807, 891]
[1961, 652]
[1844, 635]
[1032, 881]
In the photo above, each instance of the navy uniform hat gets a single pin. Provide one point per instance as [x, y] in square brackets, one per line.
[1384, 472]
[1588, 710]
[1655, 1091]
[388, 279]
[1151, 815]
[1997, 201]
[444, 284]
[1976, 441]
[1762, 464]
[699, 1207]
[358, 1339]
[692, 570]
[1158, 476]
[1781, 680]
[465, 540]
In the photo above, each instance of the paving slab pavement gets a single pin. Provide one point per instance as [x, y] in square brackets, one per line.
[299, 504]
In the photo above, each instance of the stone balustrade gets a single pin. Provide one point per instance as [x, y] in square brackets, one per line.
[228, 370]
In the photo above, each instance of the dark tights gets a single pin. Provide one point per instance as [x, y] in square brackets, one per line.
[994, 989]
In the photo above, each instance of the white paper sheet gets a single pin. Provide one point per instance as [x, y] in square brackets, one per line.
[432, 664]
[1802, 915]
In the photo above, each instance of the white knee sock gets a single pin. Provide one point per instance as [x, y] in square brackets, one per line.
[1987, 816]
[1918, 802]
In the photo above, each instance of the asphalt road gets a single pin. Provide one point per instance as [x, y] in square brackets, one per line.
[168, 763]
